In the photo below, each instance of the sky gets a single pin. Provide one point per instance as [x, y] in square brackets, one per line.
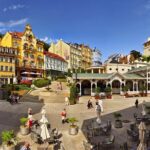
[112, 26]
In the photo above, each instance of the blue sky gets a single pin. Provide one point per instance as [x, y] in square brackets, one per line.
[113, 26]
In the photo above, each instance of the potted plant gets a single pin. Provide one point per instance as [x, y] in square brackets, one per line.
[24, 129]
[118, 122]
[97, 91]
[108, 92]
[142, 89]
[73, 129]
[8, 139]
[125, 89]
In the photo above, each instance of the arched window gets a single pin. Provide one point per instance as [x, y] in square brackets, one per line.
[25, 46]
[31, 47]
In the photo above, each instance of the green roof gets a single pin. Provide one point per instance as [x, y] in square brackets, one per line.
[104, 76]
[132, 76]
[92, 75]
[144, 68]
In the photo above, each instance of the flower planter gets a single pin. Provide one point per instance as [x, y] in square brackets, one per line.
[118, 124]
[97, 97]
[109, 96]
[24, 130]
[73, 130]
[8, 147]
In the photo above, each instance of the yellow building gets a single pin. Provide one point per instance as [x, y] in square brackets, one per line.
[7, 65]
[86, 53]
[30, 58]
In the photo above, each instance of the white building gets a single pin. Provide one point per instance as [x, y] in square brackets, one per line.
[54, 65]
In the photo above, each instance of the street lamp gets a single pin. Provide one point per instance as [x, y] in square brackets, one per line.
[12, 82]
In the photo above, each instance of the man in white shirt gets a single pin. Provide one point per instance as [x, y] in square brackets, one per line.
[100, 102]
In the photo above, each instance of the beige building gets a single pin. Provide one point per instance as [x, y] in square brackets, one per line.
[147, 48]
[77, 56]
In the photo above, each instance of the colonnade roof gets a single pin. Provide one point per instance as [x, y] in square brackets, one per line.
[106, 76]
[140, 69]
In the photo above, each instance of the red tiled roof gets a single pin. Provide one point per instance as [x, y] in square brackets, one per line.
[16, 34]
[54, 56]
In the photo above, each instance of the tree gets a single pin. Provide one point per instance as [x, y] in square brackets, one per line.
[46, 46]
[73, 94]
[136, 54]
[1, 35]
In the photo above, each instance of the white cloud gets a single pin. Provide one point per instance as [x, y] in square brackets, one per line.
[147, 5]
[13, 7]
[13, 23]
[48, 40]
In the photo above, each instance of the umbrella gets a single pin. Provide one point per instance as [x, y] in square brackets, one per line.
[142, 129]
[24, 72]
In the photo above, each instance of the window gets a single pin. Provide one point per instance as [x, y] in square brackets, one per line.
[10, 60]
[6, 59]
[10, 68]
[6, 68]
[2, 68]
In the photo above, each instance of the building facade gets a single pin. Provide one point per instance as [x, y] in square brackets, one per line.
[62, 49]
[54, 65]
[72, 53]
[30, 58]
[96, 57]
[147, 48]
[7, 65]
[86, 53]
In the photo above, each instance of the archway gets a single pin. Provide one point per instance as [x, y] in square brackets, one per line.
[102, 85]
[86, 87]
[141, 85]
[116, 87]
[129, 84]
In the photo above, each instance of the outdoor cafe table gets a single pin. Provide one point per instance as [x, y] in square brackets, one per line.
[97, 128]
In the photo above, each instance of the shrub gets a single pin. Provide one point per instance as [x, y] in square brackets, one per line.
[23, 121]
[73, 94]
[41, 82]
[72, 121]
[108, 89]
[7, 137]
[117, 115]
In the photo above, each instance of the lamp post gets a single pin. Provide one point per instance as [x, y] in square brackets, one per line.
[12, 82]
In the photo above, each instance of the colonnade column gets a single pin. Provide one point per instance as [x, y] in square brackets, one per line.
[8, 80]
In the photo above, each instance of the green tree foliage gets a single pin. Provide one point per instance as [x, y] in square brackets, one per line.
[73, 94]
[136, 54]
[46, 46]
[1, 35]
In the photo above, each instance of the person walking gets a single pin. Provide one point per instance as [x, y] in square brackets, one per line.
[100, 102]
[136, 103]
[89, 104]
[98, 113]
[67, 101]
[60, 86]
[63, 116]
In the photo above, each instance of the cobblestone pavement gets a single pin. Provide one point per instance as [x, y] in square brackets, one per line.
[10, 114]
